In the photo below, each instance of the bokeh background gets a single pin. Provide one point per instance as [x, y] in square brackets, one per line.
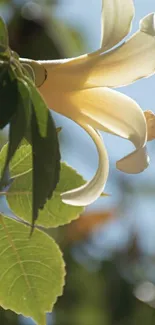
[110, 250]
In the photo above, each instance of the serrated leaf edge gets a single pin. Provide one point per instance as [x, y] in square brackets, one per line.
[49, 308]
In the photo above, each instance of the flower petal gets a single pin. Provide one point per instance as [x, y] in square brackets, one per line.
[116, 21]
[147, 25]
[150, 121]
[107, 108]
[89, 192]
[134, 163]
[113, 112]
[132, 60]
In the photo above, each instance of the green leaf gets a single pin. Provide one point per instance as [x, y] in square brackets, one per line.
[8, 96]
[3, 36]
[21, 162]
[46, 164]
[45, 153]
[55, 212]
[32, 270]
[43, 138]
[18, 126]
[40, 109]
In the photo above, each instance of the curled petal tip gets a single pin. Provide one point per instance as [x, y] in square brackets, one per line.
[89, 192]
[150, 122]
[116, 21]
[135, 162]
[147, 24]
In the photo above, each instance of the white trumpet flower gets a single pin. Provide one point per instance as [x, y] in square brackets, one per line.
[81, 89]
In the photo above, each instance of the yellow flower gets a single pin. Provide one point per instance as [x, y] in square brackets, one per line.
[81, 89]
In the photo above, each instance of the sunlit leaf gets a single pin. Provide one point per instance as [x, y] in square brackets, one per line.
[55, 212]
[32, 270]
[21, 162]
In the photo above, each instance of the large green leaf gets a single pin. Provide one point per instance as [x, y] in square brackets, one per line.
[45, 152]
[31, 270]
[18, 125]
[3, 36]
[21, 162]
[55, 212]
